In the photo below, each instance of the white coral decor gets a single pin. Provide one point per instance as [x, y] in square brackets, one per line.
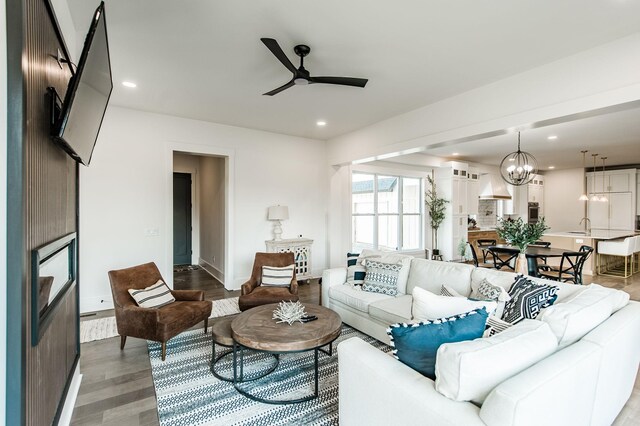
[289, 312]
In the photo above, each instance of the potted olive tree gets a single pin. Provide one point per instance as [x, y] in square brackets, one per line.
[436, 207]
[519, 234]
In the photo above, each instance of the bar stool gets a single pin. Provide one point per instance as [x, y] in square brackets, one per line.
[617, 248]
[636, 255]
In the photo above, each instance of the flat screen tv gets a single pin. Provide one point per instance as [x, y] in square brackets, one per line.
[77, 126]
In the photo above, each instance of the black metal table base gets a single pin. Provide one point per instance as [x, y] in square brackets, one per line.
[237, 380]
[216, 358]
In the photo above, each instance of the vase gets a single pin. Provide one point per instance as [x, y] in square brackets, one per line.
[521, 264]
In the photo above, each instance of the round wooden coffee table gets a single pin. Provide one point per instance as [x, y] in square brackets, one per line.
[256, 329]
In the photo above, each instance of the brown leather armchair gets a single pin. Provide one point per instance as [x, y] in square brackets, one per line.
[253, 294]
[157, 324]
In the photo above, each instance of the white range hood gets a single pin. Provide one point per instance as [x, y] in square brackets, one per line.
[493, 188]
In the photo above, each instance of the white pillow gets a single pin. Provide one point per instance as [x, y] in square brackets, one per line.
[428, 306]
[277, 276]
[468, 371]
[154, 296]
[573, 319]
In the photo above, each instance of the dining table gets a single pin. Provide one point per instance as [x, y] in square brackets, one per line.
[532, 253]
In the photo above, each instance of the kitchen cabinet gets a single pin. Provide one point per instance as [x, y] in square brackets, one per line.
[638, 194]
[451, 183]
[611, 181]
[616, 213]
[473, 191]
[530, 193]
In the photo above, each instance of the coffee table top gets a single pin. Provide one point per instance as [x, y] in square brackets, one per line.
[256, 329]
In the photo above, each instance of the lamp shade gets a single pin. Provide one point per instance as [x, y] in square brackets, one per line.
[278, 213]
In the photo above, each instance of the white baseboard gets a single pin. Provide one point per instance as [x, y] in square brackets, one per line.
[214, 271]
[72, 394]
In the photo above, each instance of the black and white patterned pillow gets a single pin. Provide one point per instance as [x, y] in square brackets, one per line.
[355, 269]
[381, 277]
[445, 290]
[495, 326]
[488, 291]
[527, 299]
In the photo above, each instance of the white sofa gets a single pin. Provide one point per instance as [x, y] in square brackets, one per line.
[586, 382]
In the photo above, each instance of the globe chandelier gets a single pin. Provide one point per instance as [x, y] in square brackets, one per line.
[519, 167]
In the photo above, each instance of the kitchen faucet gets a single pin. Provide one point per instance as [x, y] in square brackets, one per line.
[587, 225]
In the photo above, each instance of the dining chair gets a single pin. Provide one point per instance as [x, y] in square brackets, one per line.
[475, 259]
[483, 244]
[508, 259]
[570, 269]
[542, 260]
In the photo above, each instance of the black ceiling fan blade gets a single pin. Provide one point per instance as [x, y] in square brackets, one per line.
[275, 48]
[345, 81]
[280, 89]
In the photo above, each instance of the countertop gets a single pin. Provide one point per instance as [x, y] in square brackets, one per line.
[480, 229]
[596, 234]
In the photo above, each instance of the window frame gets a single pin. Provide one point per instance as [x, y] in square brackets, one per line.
[400, 213]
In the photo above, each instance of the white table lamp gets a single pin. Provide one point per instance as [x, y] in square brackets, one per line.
[277, 214]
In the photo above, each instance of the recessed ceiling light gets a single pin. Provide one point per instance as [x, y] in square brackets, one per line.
[552, 137]
[321, 123]
[129, 84]
[455, 154]
[552, 167]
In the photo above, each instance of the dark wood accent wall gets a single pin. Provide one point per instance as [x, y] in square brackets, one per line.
[50, 211]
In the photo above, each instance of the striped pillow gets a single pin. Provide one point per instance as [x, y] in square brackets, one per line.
[275, 276]
[153, 296]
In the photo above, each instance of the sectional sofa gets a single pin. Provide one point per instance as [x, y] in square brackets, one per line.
[585, 379]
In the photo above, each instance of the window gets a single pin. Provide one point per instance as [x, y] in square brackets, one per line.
[386, 212]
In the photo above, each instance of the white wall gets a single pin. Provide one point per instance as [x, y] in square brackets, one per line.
[185, 163]
[3, 210]
[562, 209]
[601, 77]
[212, 217]
[127, 192]
[63, 16]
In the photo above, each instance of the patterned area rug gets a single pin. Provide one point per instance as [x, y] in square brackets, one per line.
[104, 328]
[188, 394]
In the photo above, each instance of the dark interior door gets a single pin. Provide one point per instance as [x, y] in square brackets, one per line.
[181, 218]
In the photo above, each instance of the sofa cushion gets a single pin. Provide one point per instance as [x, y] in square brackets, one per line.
[416, 344]
[392, 310]
[354, 297]
[432, 274]
[574, 318]
[527, 299]
[468, 371]
[429, 306]
[381, 277]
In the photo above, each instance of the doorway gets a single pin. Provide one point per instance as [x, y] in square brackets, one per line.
[182, 226]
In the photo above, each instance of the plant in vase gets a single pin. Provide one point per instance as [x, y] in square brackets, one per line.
[436, 207]
[519, 234]
[462, 250]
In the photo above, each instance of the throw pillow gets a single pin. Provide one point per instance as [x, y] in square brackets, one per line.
[445, 290]
[154, 296]
[527, 299]
[469, 371]
[277, 276]
[488, 291]
[381, 277]
[416, 345]
[495, 325]
[429, 306]
[355, 266]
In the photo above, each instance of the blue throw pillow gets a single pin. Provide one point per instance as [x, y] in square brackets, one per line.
[417, 344]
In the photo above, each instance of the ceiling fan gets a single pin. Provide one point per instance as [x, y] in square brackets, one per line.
[301, 75]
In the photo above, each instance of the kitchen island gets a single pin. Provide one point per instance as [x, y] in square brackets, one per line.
[573, 240]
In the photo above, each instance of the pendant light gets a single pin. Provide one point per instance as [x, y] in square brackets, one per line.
[584, 196]
[519, 167]
[603, 198]
[594, 196]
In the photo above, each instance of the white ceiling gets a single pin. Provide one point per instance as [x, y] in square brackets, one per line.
[203, 59]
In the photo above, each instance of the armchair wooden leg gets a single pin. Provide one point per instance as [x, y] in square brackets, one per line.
[123, 340]
[206, 324]
[164, 350]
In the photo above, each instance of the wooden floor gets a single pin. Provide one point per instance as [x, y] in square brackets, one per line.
[117, 388]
